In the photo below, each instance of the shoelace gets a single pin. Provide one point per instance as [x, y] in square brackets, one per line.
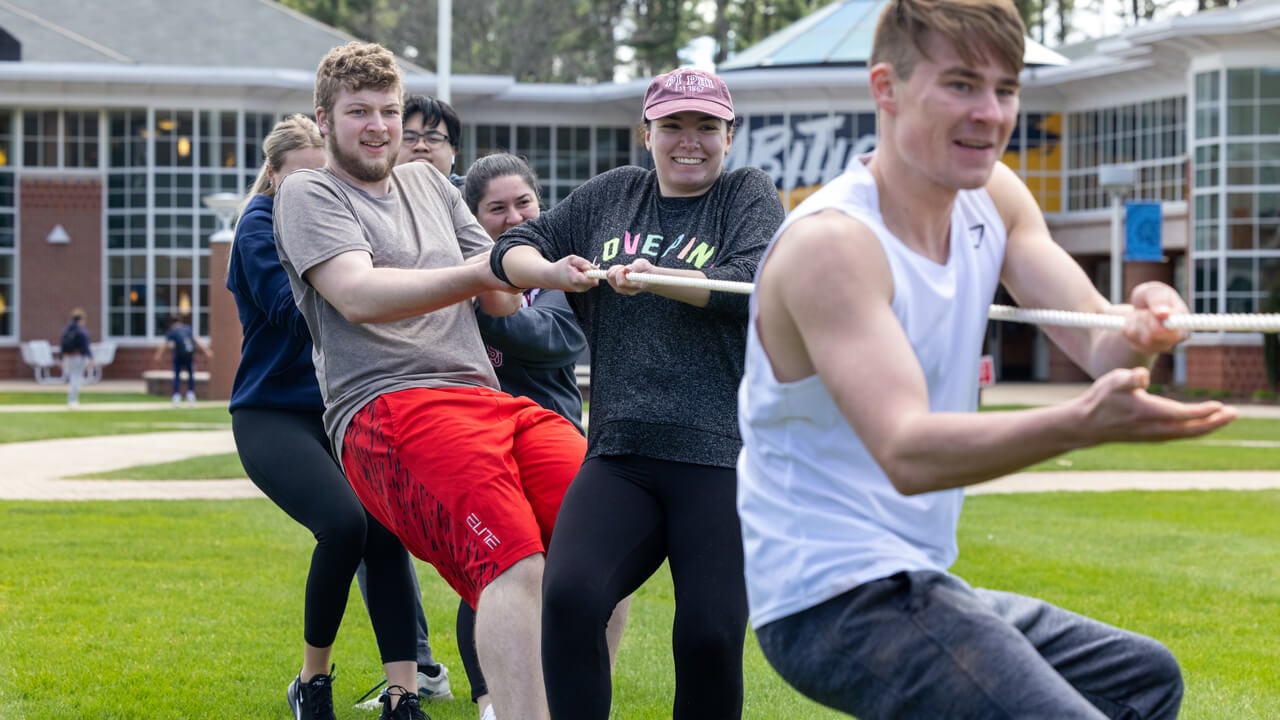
[372, 690]
[408, 705]
[323, 701]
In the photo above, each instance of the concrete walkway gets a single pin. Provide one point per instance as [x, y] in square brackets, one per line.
[40, 470]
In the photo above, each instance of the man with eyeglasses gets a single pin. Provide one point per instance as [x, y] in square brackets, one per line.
[432, 133]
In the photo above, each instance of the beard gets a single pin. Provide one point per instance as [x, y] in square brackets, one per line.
[370, 171]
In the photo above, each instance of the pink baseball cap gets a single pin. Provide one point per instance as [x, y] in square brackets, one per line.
[685, 90]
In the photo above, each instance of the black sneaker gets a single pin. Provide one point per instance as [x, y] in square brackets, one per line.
[312, 700]
[407, 708]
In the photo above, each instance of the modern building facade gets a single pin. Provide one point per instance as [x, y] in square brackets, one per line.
[110, 137]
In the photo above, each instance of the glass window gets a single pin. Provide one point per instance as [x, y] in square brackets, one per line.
[81, 135]
[174, 132]
[40, 138]
[257, 126]
[1242, 84]
[1207, 122]
[6, 137]
[8, 221]
[1207, 87]
[1242, 119]
[127, 138]
[1206, 285]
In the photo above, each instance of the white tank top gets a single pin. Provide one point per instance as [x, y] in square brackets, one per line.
[819, 516]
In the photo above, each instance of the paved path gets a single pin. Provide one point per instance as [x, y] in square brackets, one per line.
[39, 470]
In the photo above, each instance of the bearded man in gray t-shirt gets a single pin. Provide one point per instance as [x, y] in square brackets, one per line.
[385, 263]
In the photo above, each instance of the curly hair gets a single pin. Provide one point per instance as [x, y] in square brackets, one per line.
[354, 67]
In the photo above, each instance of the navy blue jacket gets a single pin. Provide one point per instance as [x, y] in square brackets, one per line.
[275, 357]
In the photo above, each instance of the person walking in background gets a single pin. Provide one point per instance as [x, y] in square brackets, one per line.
[183, 343]
[432, 135]
[859, 406]
[659, 480]
[276, 418]
[77, 356]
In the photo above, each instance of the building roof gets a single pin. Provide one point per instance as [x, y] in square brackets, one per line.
[838, 34]
[222, 34]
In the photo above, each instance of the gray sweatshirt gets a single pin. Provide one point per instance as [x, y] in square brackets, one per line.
[664, 374]
[535, 350]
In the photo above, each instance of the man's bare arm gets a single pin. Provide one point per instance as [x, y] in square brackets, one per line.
[827, 284]
[1039, 274]
[367, 294]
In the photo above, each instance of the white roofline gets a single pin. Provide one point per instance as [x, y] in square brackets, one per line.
[154, 74]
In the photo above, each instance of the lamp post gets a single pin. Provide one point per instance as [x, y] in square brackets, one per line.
[1118, 181]
[224, 322]
[444, 54]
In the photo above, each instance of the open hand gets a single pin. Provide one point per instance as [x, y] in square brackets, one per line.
[1118, 408]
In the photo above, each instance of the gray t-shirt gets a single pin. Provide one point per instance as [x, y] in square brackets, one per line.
[421, 223]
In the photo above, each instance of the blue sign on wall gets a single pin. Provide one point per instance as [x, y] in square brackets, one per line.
[1143, 223]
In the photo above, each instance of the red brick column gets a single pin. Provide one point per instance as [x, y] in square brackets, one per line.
[59, 276]
[225, 332]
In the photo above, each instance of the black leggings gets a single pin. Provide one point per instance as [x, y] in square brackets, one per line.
[286, 454]
[622, 516]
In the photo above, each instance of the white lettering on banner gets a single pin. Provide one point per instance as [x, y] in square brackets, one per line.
[804, 153]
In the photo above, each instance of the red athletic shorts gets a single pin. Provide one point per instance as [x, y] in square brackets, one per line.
[470, 479]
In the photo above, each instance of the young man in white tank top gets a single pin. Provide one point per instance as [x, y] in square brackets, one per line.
[858, 406]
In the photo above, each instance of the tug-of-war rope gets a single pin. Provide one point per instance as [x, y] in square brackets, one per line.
[1231, 322]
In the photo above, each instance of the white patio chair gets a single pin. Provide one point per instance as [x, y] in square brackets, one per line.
[39, 355]
[104, 353]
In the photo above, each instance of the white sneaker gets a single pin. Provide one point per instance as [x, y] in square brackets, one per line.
[374, 703]
[191, 396]
[429, 688]
[488, 714]
[435, 688]
[177, 399]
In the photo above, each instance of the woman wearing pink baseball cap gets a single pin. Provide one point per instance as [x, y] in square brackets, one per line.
[659, 480]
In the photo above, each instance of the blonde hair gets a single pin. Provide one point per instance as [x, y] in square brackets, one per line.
[972, 27]
[295, 132]
[354, 67]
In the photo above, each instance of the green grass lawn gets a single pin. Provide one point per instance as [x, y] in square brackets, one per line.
[28, 426]
[1227, 449]
[87, 397]
[193, 609]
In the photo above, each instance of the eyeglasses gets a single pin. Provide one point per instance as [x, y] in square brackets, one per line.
[433, 138]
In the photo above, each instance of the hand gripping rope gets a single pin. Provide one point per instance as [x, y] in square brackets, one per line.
[1232, 322]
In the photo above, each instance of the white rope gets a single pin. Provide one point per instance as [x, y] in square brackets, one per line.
[1231, 322]
[729, 286]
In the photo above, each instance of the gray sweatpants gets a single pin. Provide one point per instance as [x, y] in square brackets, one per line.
[926, 645]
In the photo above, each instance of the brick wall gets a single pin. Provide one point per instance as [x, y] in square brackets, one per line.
[59, 277]
[1063, 370]
[1237, 368]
